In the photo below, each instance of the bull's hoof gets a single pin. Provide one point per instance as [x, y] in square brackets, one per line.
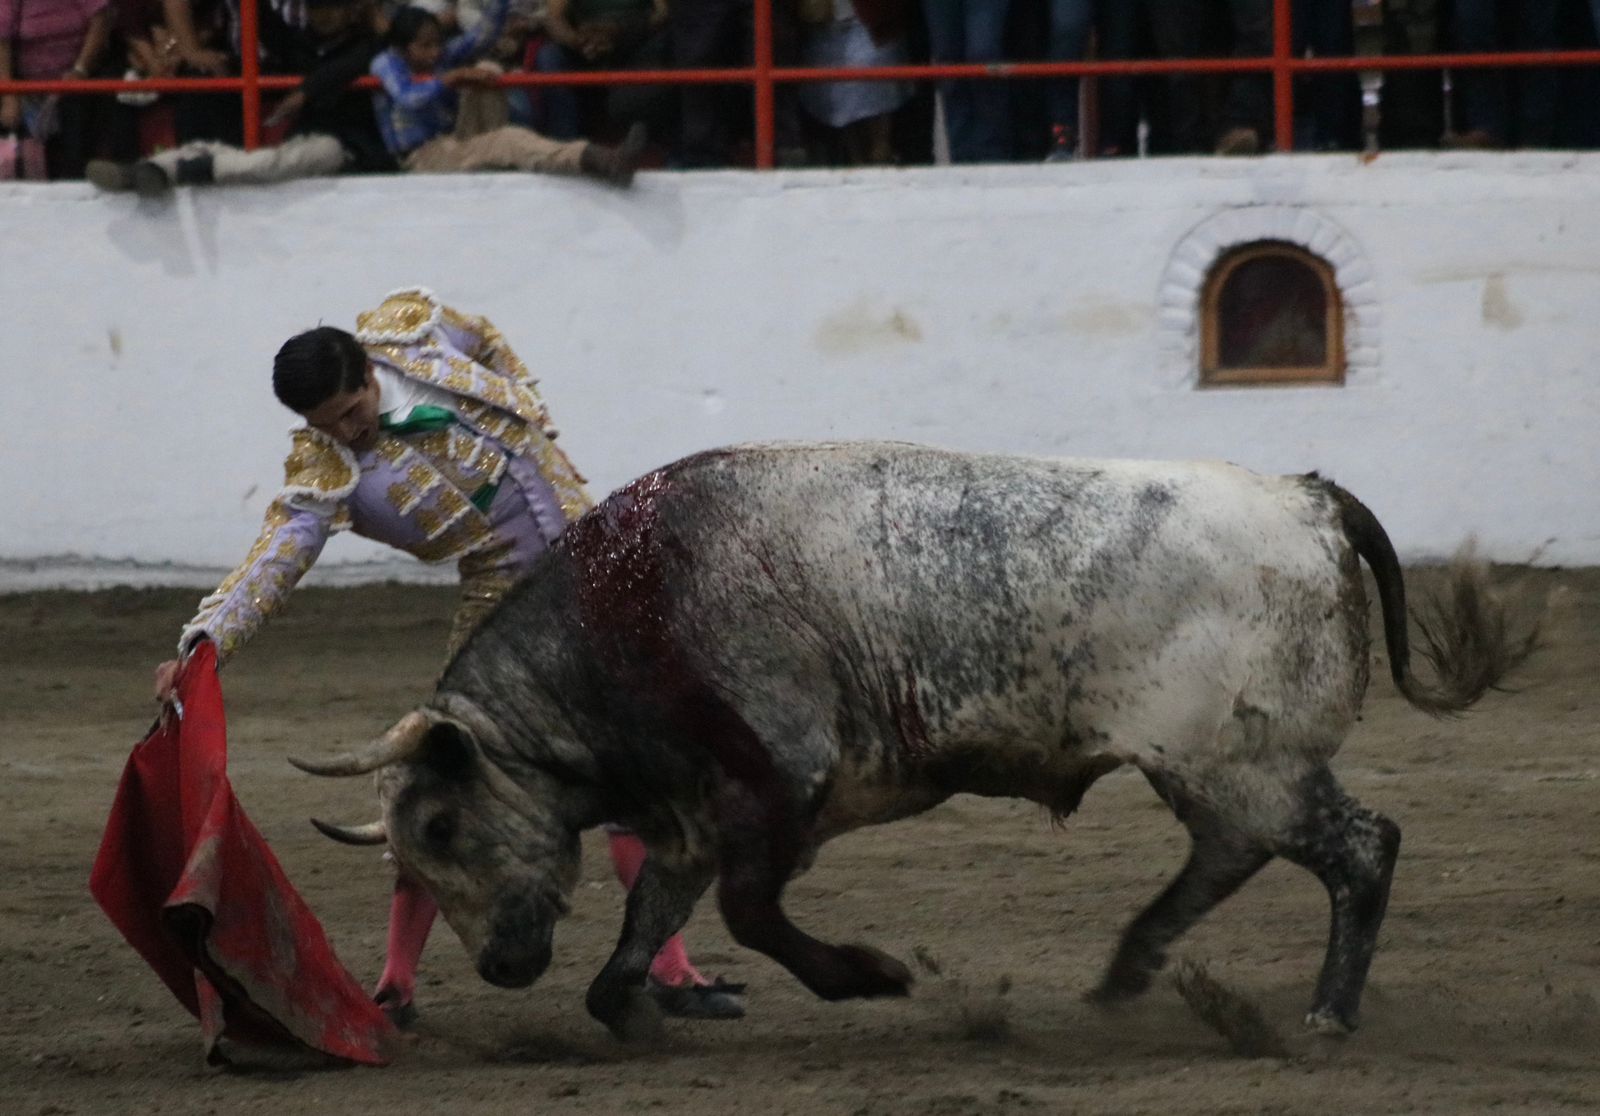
[633, 1018]
[873, 973]
[1329, 1023]
[1118, 988]
[1129, 976]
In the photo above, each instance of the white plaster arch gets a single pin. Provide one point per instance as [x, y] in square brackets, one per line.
[1183, 282]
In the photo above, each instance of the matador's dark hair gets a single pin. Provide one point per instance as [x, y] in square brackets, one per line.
[314, 366]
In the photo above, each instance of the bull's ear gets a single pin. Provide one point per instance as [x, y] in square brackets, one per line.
[449, 750]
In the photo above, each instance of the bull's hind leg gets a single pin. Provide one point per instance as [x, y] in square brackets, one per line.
[1221, 858]
[659, 904]
[762, 843]
[1352, 850]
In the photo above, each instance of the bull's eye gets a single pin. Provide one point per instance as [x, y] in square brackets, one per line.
[440, 830]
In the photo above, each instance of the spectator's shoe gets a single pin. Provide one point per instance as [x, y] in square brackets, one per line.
[1239, 141]
[150, 181]
[1477, 139]
[615, 165]
[1063, 144]
[114, 178]
[197, 170]
[717, 1000]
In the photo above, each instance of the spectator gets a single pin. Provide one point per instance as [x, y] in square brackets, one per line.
[715, 122]
[333, 127]
[977, 113]
[1486, 95]
[206, 33]
[860, 111]
[1412, 100]
[1208, 28]
[1070, 24]
[1332, 120]
[1124, 33]
[602, 35]
[417, 109]
[42, 40]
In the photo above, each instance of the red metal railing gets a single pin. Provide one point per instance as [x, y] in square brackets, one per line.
[763, 75]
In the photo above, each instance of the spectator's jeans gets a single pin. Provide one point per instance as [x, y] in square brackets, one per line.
[1485, 102]
[560, 117]
[977, 114]
[1070, 23]
[1187, 29]
[1334, 100]
[562, 114]
[708, 33]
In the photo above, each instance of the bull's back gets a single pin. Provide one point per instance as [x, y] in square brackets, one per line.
[1030, 611]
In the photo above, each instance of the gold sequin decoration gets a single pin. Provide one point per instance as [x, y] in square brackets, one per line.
[401, 317]
[430, 522]
[315, 462]
[464, 535]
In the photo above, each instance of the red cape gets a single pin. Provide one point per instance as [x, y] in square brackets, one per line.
[194, 888]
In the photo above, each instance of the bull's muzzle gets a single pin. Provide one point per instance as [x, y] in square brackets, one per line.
[519, 947]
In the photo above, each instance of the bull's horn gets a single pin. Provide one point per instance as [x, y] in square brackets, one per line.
[400, 742]
[373, 833]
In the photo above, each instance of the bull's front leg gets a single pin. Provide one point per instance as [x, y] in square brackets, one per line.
[659, 904]
[760, 850]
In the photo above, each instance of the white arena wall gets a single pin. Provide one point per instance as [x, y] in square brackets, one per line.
[1029, 309]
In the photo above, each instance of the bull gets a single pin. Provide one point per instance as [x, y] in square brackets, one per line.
[753, 650]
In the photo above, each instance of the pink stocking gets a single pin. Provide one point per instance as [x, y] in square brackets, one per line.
[411, 914]
[671, 966]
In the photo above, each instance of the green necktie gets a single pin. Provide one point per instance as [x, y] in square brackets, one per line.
[421, 420]
[425, 420]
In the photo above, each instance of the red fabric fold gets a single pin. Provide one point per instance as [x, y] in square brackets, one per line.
[195, 889]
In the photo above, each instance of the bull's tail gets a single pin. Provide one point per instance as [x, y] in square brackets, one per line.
[1464, 628]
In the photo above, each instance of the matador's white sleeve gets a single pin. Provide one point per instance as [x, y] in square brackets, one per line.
[318, 476]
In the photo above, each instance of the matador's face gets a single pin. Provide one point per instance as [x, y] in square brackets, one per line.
[350, 417]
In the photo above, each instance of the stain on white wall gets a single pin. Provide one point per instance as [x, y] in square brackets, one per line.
[1016, 309]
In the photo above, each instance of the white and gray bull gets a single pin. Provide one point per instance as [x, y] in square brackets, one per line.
[754, 650]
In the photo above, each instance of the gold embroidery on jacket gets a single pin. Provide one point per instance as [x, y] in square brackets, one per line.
[316, 464]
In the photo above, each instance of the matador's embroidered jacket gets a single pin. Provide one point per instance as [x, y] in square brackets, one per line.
[480, 482]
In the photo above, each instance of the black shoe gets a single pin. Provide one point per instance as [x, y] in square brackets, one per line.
[149, 180]
[615, 165]
[197, 170]
[403, 1016]
[114, 178]
[717, 1000]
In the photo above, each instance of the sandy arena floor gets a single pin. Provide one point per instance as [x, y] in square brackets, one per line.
[1484, 993]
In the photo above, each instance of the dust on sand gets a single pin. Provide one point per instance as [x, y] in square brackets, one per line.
[1483, 993]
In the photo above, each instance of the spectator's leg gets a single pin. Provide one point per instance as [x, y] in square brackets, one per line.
[1482, 91]
[1182, 29]
[561, 117]
[1413, 100]
[1538, 88]
[652, 105]
[307, 156]
[1118, 27]
[1250, 95]
[947, 43]
[699, 31]
[1334, 100]
[985, 36]
[1070, 23]
[513, 148]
